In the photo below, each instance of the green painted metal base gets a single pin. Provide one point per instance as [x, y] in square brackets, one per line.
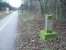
[47, 35]
[46, 49]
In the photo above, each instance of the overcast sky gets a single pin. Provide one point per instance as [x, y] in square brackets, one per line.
[15, 3]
